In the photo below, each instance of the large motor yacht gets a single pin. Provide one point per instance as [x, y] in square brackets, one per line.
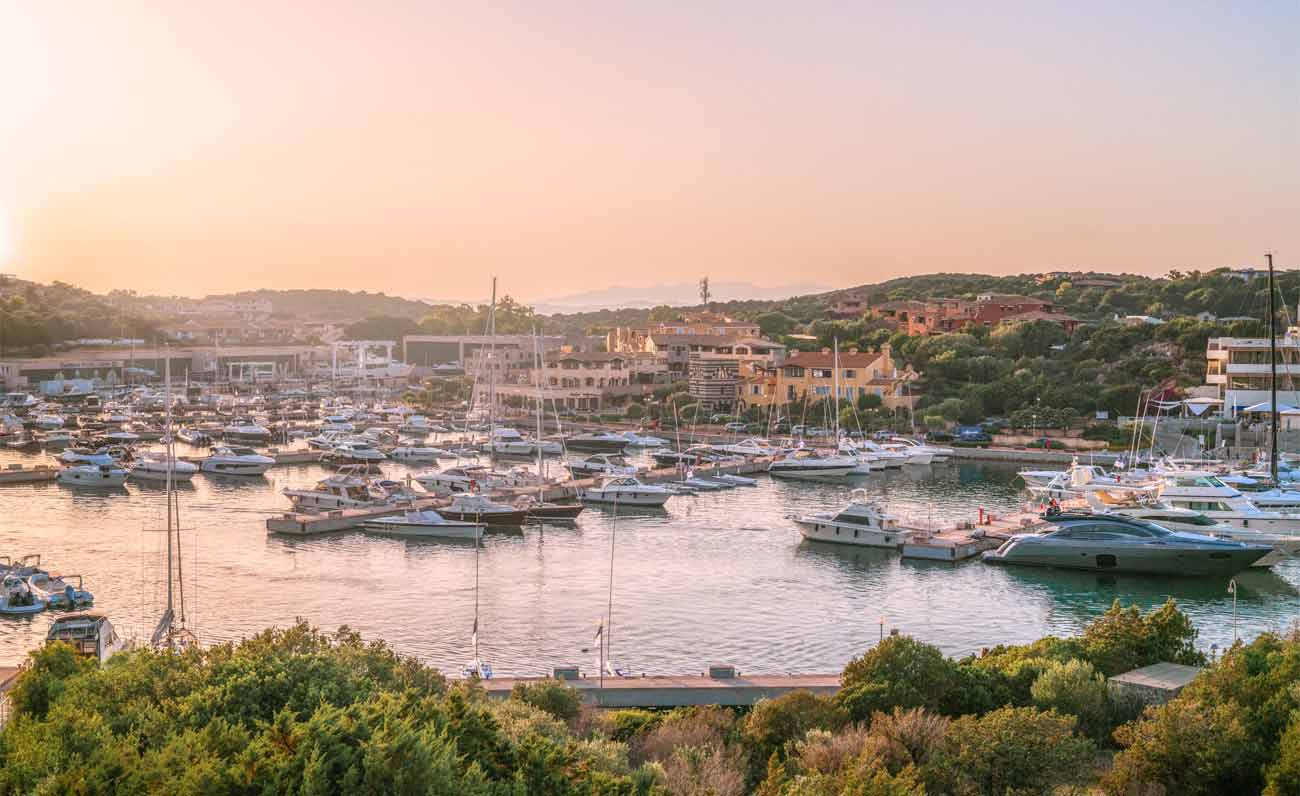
[1102, 543]
[859, 523]
[1204, 492]
[626, 491]
[236, 460]
[343, 490]
[813, 465]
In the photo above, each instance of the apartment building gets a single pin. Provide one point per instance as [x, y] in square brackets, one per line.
[813, 375]
[943, 315]
[1237, 370]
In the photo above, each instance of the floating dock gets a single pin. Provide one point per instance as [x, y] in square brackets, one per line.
[20, 474]
[297, 524]
[680, 691]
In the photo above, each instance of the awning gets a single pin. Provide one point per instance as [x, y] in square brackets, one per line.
[1267, 406]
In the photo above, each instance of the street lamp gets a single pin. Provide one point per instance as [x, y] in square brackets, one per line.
[1232, 589]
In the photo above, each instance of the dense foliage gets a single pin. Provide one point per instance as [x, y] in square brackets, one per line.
[299, 712]
[34, 317]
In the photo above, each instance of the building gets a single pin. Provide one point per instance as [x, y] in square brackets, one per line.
[429, 350]
[586, 380]
[848, 308]
[812, 375]
[627, 339]
[145, 365]
[944, 315]
[678, 351]
[1237, 369]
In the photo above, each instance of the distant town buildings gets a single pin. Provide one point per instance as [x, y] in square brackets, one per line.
[944, 315]
[1237, 371]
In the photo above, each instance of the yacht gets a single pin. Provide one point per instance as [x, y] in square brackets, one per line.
[245, 431]
[627, 491]
[236, 460]
[938, 453]
[89, 633]
[418, 453]
[479, 509]
[601, 464]
[343, 490]
[417, 424]
[1284, 545]
[752, 446]
[1205, 493]
[812, 465]
[636, 440]
[95, 475]
[61, 592]
[867, 461]
[597, 442]
[537, 510]
[912, 453]
[453, 480]
[152, 466]
[57, 440]
[354, 452]
[876, 457]
[859, 523]
[192, 436]
[424, 525]
[47, 423]
[1101, 543]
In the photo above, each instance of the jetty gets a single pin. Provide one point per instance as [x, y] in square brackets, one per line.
[21, 474]
[721, 685]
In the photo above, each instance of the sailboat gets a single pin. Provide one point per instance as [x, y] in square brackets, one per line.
[477, 667]
[171, 631]
[813, 464]
[537, 508]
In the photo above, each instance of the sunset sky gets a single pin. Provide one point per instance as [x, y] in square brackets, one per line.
[416, 148]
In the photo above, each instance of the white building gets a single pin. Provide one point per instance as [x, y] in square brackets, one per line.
[1238, 368]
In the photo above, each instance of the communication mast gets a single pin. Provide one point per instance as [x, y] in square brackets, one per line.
[705, 295]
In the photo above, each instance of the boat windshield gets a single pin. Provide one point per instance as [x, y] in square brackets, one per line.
[1208, 481]
[1187, 519]
[1114, 531]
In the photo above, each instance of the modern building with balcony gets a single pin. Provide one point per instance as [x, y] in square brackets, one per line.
[1237, 368]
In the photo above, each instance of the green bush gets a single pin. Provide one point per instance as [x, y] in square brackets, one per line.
[775, 722]
[551, 696]
[1008, 751]
[1075, 688]
[898, 672]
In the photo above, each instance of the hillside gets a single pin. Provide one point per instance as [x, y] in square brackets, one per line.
[333, 305]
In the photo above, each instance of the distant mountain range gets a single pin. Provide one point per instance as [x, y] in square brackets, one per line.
[682, 294]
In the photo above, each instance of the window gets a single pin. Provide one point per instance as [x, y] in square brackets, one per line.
[794, 372]
[823, 391]
[789, 392]
[822, 373]
[848, 373]
[755, 389]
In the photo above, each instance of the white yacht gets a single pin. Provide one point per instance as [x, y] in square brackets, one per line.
[753, 446]
[606, 464]
[245, 431]
[868, 461]
[887, 458]
[626, 491]
[343, 490]
[354, 451]
[93, 475]
[17, 597]
[477, 508]
[453, 480]
[47, 423]
[918, 452]
[1205, 493]
[812, 465]
[419, 453]
[636, 440]
[152, 466]
[236, 460]
[417, 424]
[597, 442]
[424, 525]
[859, 523]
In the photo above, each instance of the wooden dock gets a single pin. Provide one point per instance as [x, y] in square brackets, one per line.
[680, 691]
[20, 474]
[298, 524]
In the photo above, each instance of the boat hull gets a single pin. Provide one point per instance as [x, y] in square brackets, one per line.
[1136, 561]
[422, 530]
[509, 518]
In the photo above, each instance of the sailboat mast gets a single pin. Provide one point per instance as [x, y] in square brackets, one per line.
[835, 388]
[492, 376]
[1272, 382]
[167, 390]
[541, 405]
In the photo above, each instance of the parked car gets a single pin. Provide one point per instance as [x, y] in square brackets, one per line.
[735, 425]
[939, 436]
[1047, 444]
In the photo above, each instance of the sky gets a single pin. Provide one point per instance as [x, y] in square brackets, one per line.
[417, 148]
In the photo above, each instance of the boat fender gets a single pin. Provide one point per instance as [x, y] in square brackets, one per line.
[473, 486]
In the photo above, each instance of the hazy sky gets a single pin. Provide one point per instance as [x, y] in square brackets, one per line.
[415, 148]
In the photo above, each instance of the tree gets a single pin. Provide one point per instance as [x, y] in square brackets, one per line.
[1123, 639]
[1075, 688]
[1008, 751]
[898, 672]
[775, 324]
[551, 696]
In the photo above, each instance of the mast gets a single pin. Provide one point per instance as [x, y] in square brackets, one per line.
[1272, 370]
[492, 376]
[541, 406]
[835, 389]
[167, 452]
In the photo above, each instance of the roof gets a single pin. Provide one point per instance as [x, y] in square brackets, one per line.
[591, 356]
[820, 359]
[1161, 676]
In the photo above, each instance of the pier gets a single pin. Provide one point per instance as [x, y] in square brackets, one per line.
[20, 474]
[710, 688]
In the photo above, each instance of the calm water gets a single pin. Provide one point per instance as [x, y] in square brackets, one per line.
[720, 577]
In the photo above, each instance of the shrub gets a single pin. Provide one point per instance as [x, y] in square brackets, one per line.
[827, 752]
[635, 411]
[550, 696]
[774, 722]
[704, 771]
[898, 672]
[1283, 776]
[1008, 751]
[706, 727]
[624, 725]
[1074, 688]
[907, 737]
[1123, 639]
[1187, 748]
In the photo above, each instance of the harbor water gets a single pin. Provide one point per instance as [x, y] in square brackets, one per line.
[720, 577]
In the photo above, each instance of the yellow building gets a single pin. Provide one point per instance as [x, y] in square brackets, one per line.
[812, 374]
